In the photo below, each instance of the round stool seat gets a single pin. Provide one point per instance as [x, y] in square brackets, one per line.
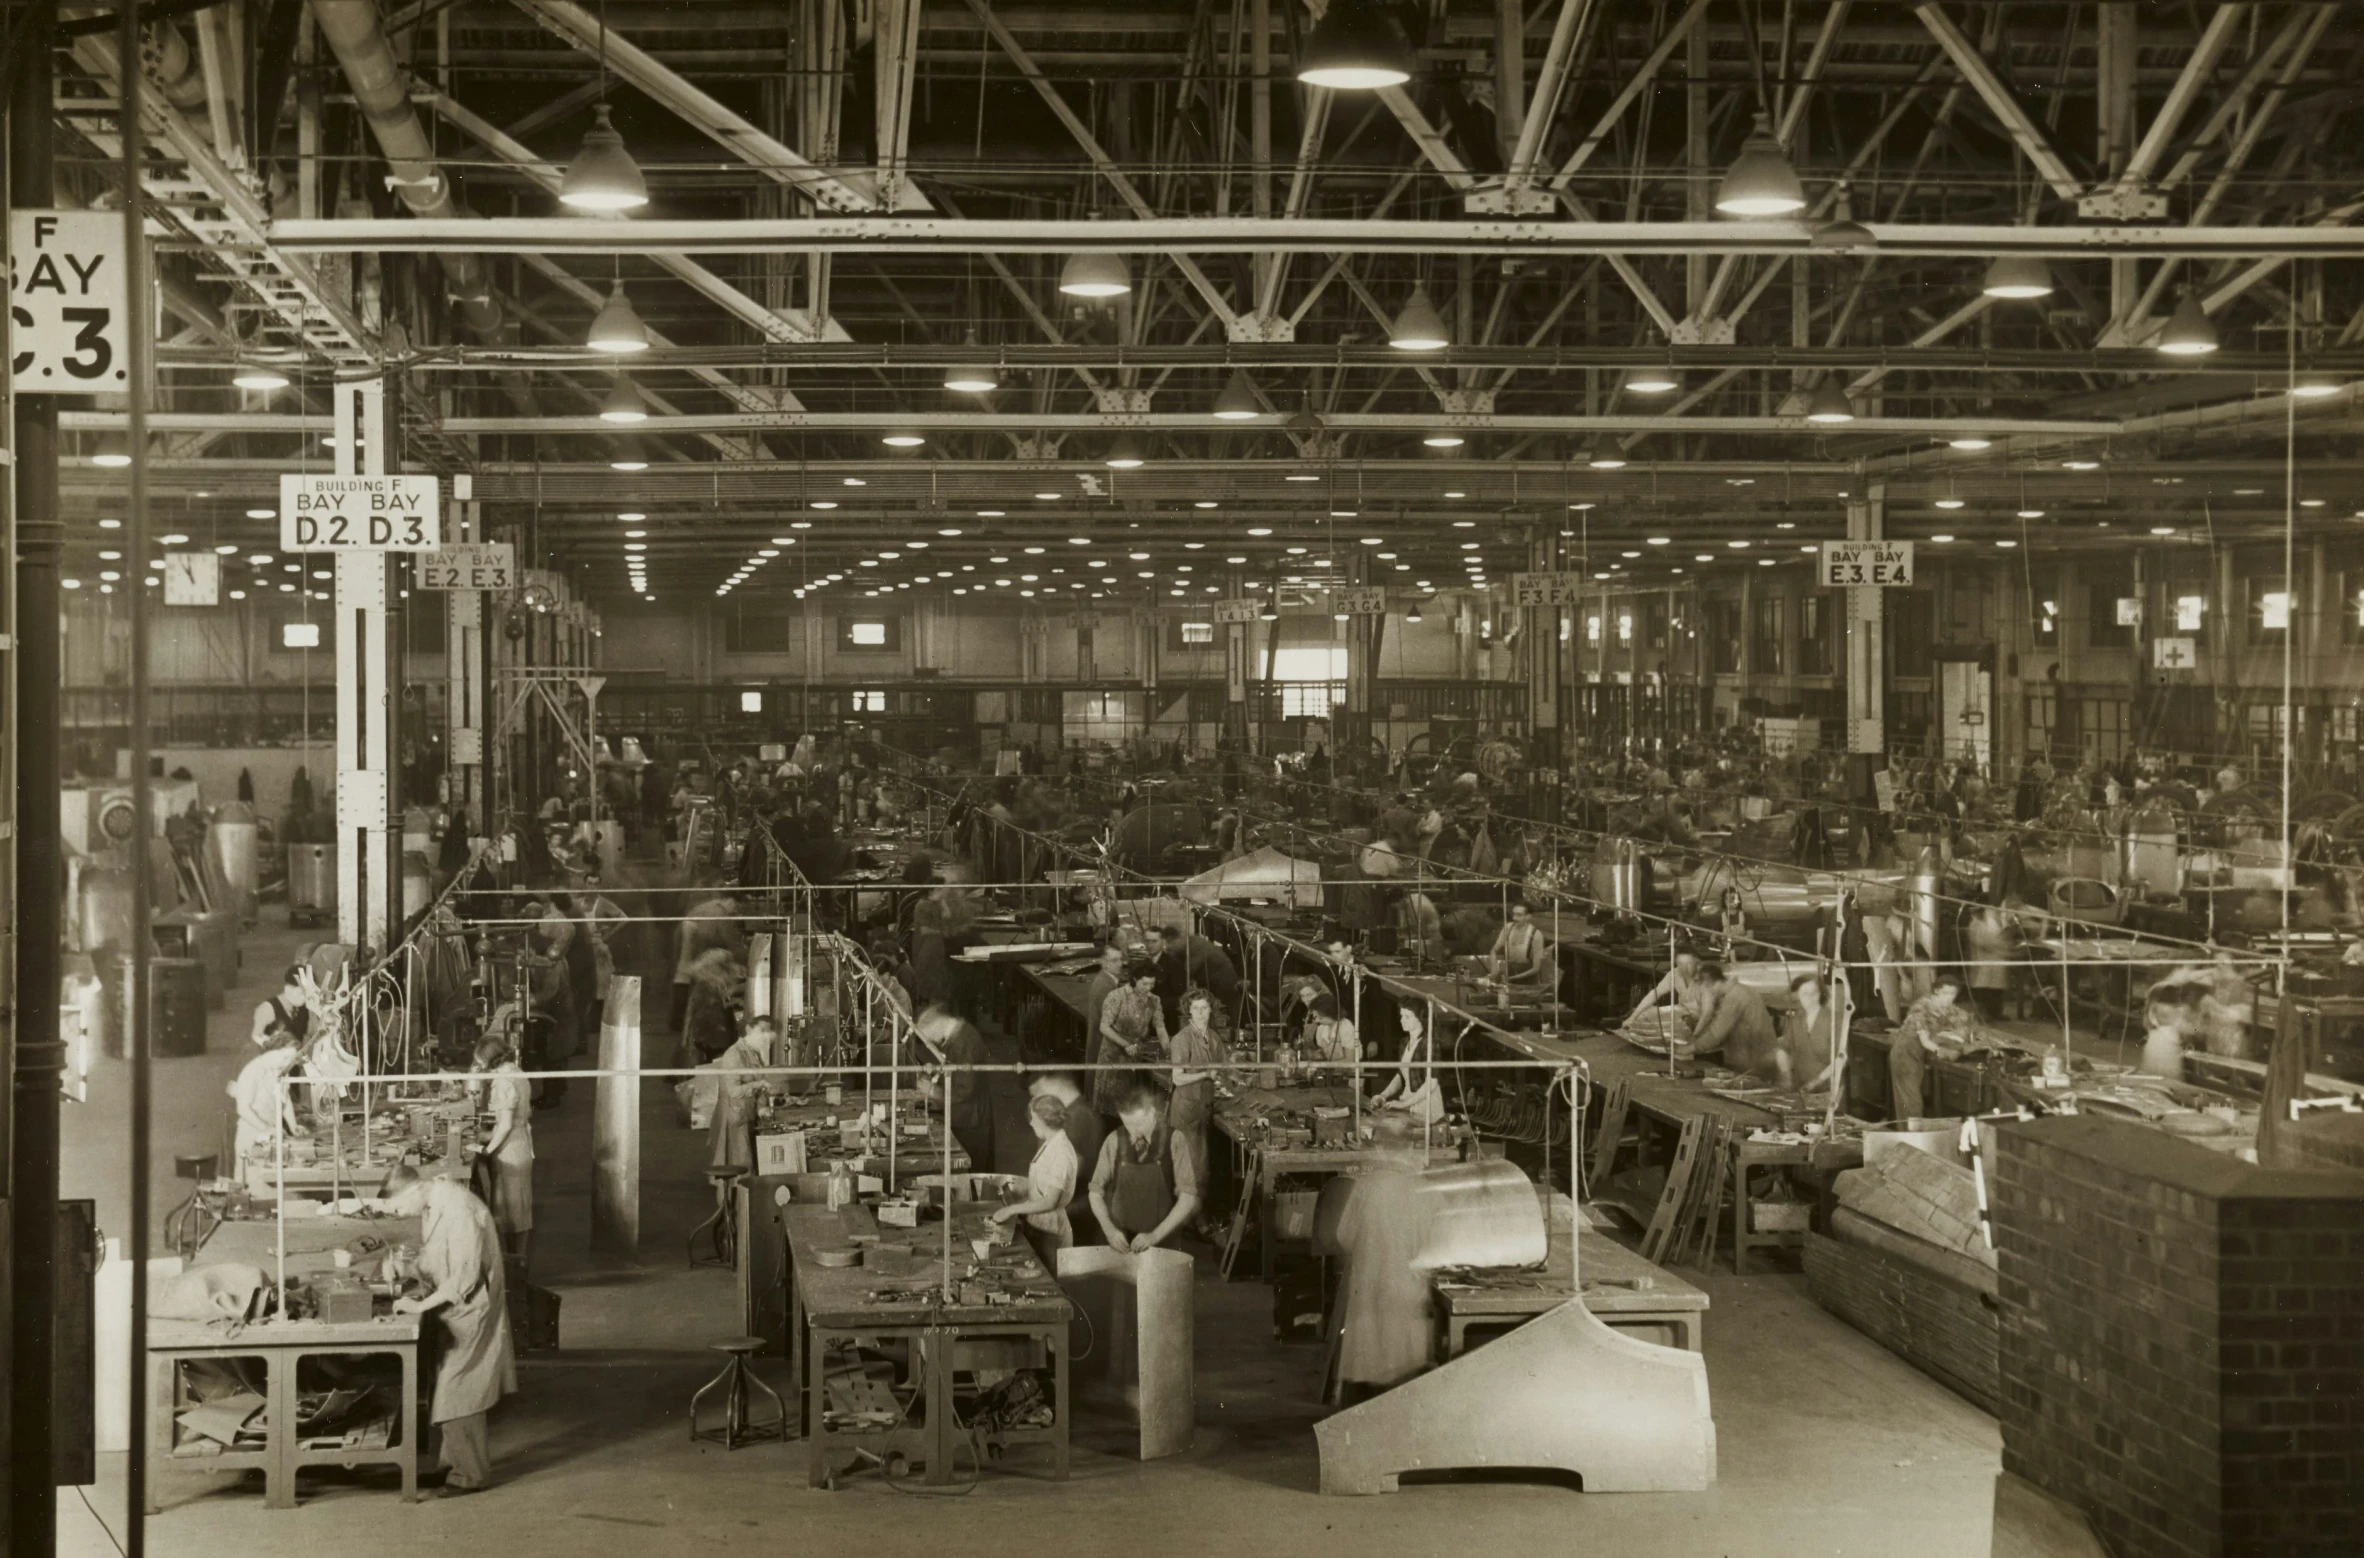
[196, 1165]
[724, 1175]
[740, 1346]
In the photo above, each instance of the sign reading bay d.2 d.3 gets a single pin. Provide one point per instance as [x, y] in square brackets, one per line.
[319, 513]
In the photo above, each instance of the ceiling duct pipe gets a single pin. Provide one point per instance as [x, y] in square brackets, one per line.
[382, 87]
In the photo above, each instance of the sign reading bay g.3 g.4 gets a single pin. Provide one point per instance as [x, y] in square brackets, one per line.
[359, 514]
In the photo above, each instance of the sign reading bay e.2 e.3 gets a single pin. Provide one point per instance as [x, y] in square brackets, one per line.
[69, 327]
[359, 514]
[1880, 563]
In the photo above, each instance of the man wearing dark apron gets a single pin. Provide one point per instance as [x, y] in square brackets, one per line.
[1148, 1183]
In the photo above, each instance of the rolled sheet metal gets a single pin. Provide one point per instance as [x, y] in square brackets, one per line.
[615, 1124]
[1482, 1214]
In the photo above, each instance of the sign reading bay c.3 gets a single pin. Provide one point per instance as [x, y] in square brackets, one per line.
[69, 324]
[359, 514]
[490, 565]
[1881, 563]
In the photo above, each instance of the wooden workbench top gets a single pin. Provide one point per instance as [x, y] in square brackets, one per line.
[842, 1297]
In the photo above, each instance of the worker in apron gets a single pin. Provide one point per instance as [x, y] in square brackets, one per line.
[460, 1257]
[1521, 954]
[1148, 1183]
[1386, 1329]
[286, 1017]
[265, 1108]
[506, 1155]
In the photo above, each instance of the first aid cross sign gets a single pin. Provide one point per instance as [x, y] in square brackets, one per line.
[68, 323]
[359, 514]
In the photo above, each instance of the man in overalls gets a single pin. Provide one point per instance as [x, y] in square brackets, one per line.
[1148, 1183]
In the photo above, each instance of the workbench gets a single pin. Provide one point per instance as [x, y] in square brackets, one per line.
[1626, 1291]
[1259, 1161]
[857, 1307]
[281, 1347]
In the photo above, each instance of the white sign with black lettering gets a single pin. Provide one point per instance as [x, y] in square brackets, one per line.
[359, 514]
[1546, 589]
[1884, 564]
[70, 330]
[490, 565]
[1363, 602]
[1236, 610]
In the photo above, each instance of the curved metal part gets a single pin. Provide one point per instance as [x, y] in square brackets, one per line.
[1481, 1214]
[382, 89]
[1922, 891]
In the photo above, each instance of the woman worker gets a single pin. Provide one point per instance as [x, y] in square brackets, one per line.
[265, 1108]
[460, 1256]
[1196, 1054]
[1132, 1033]
[1050, 1178]
[507, 1151]
[1413, 1089]
[1149, 1181]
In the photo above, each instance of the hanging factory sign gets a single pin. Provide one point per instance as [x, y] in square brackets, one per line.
[1236, 610]
[69, 324]
[1362, 601]
[489, 565]
[1546, 589]
[322, 513]
[1886, 564]
[2175, 654]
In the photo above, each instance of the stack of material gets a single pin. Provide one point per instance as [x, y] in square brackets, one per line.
[1906, 1263]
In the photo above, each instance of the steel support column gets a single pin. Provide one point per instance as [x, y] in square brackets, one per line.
[369, 882]
[1867, 656]
[1539, 643]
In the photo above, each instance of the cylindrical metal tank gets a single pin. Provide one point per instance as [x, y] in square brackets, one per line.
[1922, 889]
[418, 887]
[311, 883]
[1617, 868]
[235, 849]
[609, 842]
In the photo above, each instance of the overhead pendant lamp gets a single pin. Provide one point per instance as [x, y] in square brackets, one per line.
[617, 328]
[257, 376]
[1412, 612]
[1842, 234]
[1270, 613]
[1125, 455]
[1238, 401]
[902, 438]
[1443, 440]
[1760, 181]
[628, 458]
[2314, 386]
[1419, 328]
[112, 452]
[1830, 404]
[1652, 380]
[971, 378]
[2188, 332]
[2018, 276]
[603, 177]
[1604, 456]
[1357, 46]
[1096, 275]
[623, 403]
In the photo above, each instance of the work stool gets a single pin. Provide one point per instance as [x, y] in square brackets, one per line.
[737, 1382]
[188, 1225]
[721, 1227]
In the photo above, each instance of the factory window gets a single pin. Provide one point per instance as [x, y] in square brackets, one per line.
[2190, 613]
[1911, 623]
[1095, 717]
[868, 701]
[1311, 700]
[870, 633]
[2351, 611]
[2265, 729]
[1192, 635]
[2101, 727]
[1768, 655]
[2047, 623]
[1723, 636]
[1655, 612]
[1310, 663]
[1625, 628]
[2269, 609]
[2106, 626]
[1814, 637]
[756, 633]
[2043, 715]
[425, 626]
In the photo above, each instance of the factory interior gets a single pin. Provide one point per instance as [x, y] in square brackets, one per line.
[1326, 776]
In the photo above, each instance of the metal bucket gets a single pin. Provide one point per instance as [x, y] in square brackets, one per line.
[311, 883]
[234, 847]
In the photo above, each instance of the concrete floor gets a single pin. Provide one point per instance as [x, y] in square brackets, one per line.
[1827, 1443]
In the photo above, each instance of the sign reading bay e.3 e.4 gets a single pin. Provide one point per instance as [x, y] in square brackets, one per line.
[359, 514]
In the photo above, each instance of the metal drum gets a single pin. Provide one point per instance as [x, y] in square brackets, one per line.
[1617, 868]
[234, 848]
[105, 908]
[311, 883]
[418, 831]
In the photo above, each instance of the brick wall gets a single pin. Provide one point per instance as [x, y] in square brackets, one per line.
[2182, 1341]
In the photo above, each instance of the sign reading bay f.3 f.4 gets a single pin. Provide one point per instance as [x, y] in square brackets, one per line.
[1882, 563]
[70, 330]
[359, 514]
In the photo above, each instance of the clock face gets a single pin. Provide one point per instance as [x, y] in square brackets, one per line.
[192, 579]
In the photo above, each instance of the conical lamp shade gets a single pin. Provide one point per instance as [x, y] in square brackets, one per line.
[2020, 276]
[623, 403]
[1125, 455]
[1830, 404]
[603, 176]
[970, 378]
[617, 327]
[1356, 47]
[1095, 275]
[2188, 332]
[1760, 181]
[1238, 401]
[1419, 328]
